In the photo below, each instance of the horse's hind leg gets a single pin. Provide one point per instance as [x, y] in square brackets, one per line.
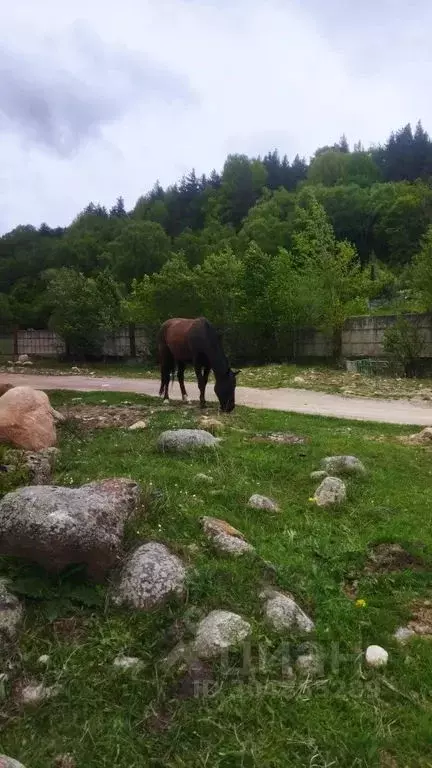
[180, 375]
[166, 368]
[202, 374]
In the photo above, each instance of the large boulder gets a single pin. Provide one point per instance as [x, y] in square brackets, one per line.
[184, 440]
[150, 574]
[343, 465]
[27, 419]
[57, 527]
[9, 762]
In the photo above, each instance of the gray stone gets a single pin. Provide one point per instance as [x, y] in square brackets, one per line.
[11, 613]
[225, 537]
[262, 502]
[149, 575]
[57, 527]
[9, 762]
[403, 635]
[218, 632]
[283, 613]
[319, 475]
[343, 465]
[331, 491]
[138, 425]
[184, 440]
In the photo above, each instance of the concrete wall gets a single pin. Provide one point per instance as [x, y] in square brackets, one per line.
[362, 336]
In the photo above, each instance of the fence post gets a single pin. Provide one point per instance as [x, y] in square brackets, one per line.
[132, 340]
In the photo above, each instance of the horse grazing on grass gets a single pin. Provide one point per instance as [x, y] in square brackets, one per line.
[185, 341]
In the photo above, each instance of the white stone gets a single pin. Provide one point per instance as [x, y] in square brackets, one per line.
[44, 660]
[127, 662]
[218, 632]
[138, 425]
[376, 656]
[36, 692]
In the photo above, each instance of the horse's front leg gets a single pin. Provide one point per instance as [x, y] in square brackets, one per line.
[180, 375]
[202, 375]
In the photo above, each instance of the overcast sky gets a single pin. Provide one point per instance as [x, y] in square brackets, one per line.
[99, 98]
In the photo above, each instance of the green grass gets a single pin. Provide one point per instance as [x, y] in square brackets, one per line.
[351, 716]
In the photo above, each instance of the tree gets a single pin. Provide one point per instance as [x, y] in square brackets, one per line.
[169, 293]
[6, 313]
[422, 271]
[242, 183]
[84, 309]
[141, 248]
[219, 287]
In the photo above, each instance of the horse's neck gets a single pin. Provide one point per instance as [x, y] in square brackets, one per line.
[218, 361]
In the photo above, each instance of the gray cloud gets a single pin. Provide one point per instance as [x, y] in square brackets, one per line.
[62, 97]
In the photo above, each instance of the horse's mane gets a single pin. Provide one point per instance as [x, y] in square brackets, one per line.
[217, 357]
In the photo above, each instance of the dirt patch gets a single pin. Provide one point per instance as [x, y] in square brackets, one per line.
[350, 588]
[390, 558]
[282, 438]
[386, 760]
[72, 630]
[158, 722]
[421, 622]
[104, 416]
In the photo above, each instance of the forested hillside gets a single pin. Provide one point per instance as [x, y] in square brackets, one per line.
[267, 243]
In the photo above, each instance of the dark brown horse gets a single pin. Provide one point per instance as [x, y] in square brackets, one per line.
[185, 341]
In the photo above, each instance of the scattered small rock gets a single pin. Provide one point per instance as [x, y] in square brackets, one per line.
[320, 474]
[421, 438]
[225, 537]
[403, 635]
[309, 662]
[282, 438]
[127, 662]
[11, 613]
[56, 526]
[283, 613]
[44, 660]
[65, 761]
[138, 425]
[331, 491]
[376, 656]
[149, 575]
[34, 693]
[343, 465]
[298, 380]
[23, 359]
[262, 502]
[183, 440]
[203, 478]
[218, 632]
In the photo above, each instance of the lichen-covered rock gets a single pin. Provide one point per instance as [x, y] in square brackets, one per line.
[38, 466]
[320, 474]
[262, 502]
[283, 613]
[184, 440]
[331, 491]
[149, 575]
[57, 527]
[11, 614]
[218, 632]
[343, 465]
[225, 537]
[27, 419]
[9, 762]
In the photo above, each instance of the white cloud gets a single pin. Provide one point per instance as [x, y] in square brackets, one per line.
[167, 85]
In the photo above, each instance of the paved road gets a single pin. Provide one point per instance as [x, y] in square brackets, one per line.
[284, 399]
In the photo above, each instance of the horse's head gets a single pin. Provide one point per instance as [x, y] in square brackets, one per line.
[225, 390]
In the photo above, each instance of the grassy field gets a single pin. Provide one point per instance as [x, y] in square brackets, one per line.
[320, 378]
[350, 716]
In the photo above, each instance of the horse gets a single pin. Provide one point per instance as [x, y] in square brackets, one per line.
[184, 341]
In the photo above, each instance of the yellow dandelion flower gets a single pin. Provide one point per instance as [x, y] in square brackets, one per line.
[360, 603]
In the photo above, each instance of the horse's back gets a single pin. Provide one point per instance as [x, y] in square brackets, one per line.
[182, 335]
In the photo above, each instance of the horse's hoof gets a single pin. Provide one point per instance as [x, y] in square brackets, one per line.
[165, 401]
